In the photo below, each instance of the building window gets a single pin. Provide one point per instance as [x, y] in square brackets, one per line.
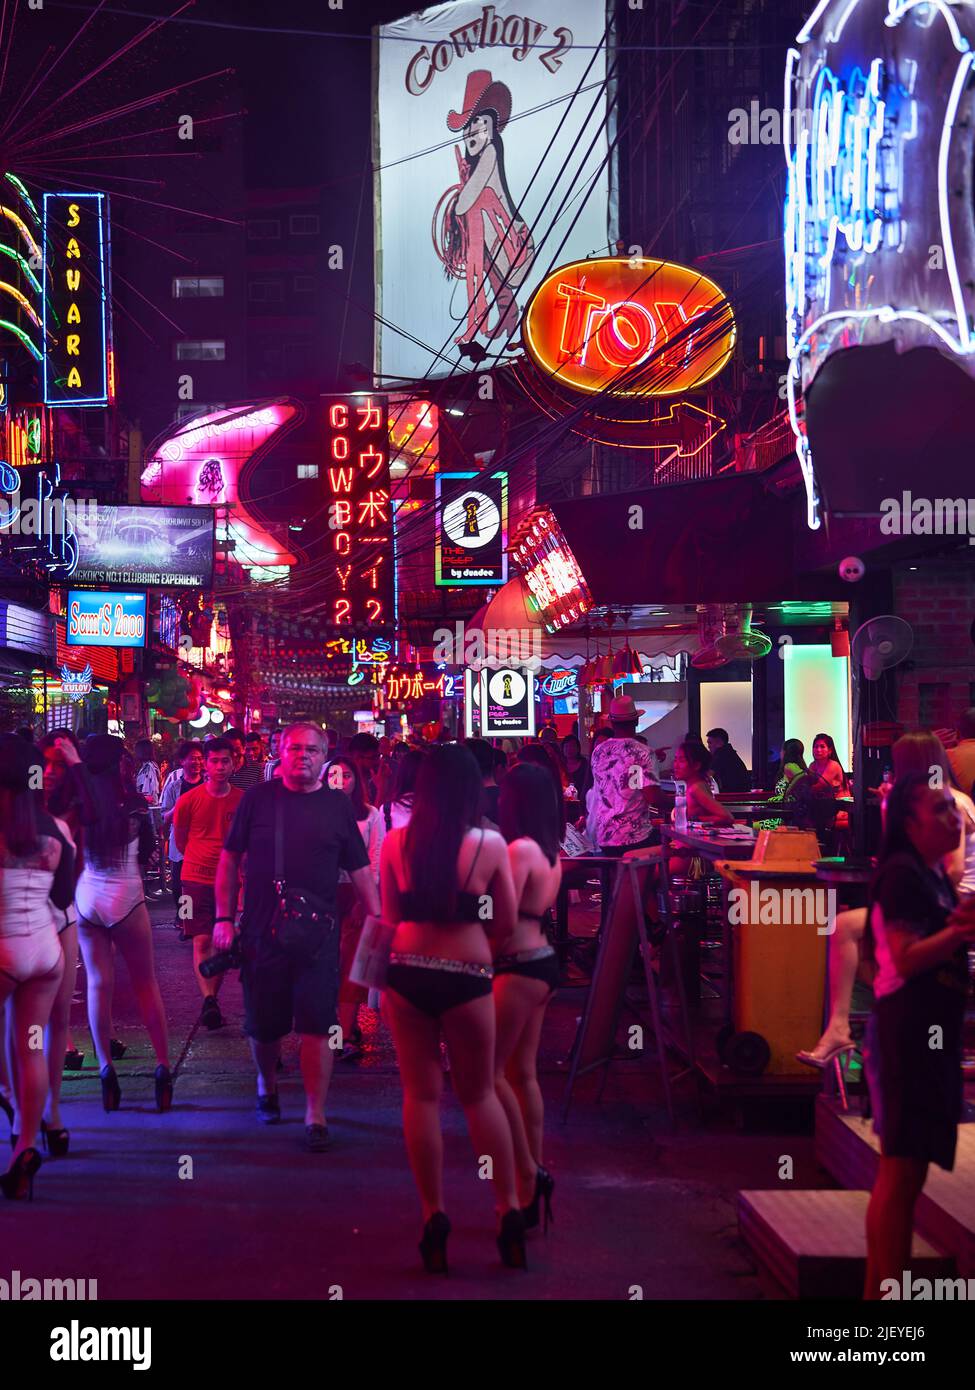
[197, 286]
[263, 229]
[303, 224]
[265, 292]
[201, 350]
[307, 470]
[306, 284]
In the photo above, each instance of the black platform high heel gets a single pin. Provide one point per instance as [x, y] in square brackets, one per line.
[511, 1240]
[433, 1246]
[544, 1187]
[56, 1141]
[164, 1088]
[18, 1183]
[111, 1090]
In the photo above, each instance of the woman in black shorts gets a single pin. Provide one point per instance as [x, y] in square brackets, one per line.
[526, 973]
[918, 936]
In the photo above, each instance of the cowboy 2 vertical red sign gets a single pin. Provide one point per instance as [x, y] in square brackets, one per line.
[360, 512]
[489, 120]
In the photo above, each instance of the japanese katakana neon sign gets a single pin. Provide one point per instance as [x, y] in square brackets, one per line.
[360, 512]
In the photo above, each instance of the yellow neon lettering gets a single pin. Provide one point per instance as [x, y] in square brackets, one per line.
[73, 252]
[73, 344]
[73, 215]
[74, 378]
[73, 279]
[74, 314]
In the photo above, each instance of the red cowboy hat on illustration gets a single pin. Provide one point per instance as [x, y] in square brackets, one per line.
[482, 94]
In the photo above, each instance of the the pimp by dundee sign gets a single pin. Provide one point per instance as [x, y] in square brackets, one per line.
[471, 529]
[879, 227]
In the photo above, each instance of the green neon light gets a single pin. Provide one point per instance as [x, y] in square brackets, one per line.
[24, 265]
[817, 696]
[19, 333]
[25, 195]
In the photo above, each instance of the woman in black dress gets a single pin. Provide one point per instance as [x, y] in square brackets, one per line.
[918, 936]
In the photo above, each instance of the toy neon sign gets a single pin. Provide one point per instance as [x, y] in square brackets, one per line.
[634, 327]
[874, 238]
[76, 343]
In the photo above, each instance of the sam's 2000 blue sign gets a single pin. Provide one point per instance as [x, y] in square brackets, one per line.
[100, 619]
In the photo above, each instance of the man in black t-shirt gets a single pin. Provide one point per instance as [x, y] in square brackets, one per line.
[319, 838]
[727, 768]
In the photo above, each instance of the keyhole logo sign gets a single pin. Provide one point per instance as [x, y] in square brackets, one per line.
[472, 520]
[507, 688]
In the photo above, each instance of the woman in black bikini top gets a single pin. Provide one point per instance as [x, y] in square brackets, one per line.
[429, 992]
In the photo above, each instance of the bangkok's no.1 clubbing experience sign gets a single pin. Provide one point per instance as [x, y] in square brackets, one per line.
[360, 514]
[76, 320]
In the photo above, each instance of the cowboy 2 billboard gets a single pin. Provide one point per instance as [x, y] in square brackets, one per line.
[492, 148]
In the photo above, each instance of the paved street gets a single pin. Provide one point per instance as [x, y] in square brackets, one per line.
[261, 1218]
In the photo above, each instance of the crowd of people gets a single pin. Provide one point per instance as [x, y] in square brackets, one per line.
[279, 856]
[275, 864]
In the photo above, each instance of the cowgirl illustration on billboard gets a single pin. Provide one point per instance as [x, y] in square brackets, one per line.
[478, 232]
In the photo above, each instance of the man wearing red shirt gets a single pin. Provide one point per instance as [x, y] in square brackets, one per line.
[200, 824]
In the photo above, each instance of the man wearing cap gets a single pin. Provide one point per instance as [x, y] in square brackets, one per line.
[623, 780]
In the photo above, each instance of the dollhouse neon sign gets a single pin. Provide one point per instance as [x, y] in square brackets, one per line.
[871, 185]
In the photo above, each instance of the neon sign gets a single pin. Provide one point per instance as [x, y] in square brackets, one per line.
[76, 337]
[100, 619]
[207, 461]
[633, 327]
[360, 513]
[559, 683]
[874, 236]
[76, 684]
[471, 529]
[415, 683]
[551, 571]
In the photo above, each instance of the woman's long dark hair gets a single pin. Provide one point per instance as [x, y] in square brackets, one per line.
[537, 754]
[472, 160]
[18, 803]
[825, 738]
[61, 801]
[528, 809]
[446, 805]
[407, 771]
[110, 828]
[901, 801]
[360, 806]
[793, 751]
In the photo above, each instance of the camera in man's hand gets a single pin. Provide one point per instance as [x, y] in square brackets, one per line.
[222, 961]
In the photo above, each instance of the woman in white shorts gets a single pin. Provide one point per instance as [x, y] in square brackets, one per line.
[111, 908]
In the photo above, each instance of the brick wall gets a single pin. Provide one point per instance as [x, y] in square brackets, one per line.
[938, 600]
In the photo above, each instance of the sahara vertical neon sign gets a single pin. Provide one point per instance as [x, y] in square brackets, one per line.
[76, 318]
